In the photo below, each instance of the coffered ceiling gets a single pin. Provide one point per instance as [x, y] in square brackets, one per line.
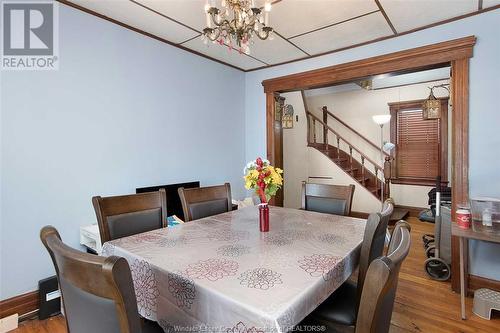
[304, 28]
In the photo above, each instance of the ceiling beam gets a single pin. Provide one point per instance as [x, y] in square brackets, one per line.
[382, 10]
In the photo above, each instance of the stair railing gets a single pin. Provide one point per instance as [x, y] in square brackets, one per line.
[312, 120]
[327, 113]
[387, 157]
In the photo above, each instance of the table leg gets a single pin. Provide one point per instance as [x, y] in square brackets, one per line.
[462, 279]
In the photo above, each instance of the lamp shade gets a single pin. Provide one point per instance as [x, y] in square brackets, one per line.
[388, 146]
[381, 119]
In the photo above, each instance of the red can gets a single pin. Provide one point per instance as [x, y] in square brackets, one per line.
[463, 217]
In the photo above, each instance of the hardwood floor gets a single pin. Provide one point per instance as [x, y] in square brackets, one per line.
[422, 305]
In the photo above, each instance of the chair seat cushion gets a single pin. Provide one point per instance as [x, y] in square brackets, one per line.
[340, 307]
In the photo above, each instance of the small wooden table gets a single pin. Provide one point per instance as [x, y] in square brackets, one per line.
[463, 235]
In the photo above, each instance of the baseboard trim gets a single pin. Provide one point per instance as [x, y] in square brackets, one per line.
[21, 304]
[477, 282]
[414, 211]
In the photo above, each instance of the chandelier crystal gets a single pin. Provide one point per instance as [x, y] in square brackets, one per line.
[236, 23]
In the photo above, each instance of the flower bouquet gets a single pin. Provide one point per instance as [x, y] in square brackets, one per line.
[265, 180]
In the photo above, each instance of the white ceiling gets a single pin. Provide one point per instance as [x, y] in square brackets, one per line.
[304, 27]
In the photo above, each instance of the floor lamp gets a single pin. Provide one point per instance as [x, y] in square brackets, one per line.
[381, 120]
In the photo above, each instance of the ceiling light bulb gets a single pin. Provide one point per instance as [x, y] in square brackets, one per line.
[267, 7]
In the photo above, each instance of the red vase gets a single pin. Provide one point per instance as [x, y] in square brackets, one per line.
[264, 217]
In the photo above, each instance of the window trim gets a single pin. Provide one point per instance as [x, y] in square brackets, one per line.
[396, 107]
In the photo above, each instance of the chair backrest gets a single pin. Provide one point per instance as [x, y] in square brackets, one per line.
[373, 242]
[201, 202]
[330, 199]
[379, 290]
[371, 248]
[387, 209]
[98, 292]
[125, 215]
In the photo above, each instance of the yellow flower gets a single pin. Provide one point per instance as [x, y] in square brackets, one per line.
[278, 170]
[277, 179]
[254, 174]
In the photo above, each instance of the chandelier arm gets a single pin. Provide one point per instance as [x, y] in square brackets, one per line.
[216, 34]
[214, 20]
[266, 31]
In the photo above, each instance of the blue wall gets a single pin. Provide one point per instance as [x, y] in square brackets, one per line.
[484, 116]
[123, 111]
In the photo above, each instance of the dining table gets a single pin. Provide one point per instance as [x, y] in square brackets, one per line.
[221, 274]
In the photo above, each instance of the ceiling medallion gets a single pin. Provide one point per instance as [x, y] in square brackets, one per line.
[236, 23]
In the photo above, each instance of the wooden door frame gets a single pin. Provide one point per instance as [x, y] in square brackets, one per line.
[455, 52]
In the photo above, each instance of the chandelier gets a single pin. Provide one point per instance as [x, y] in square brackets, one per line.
[236, 23]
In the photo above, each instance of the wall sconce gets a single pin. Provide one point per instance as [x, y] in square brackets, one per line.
[431, 108]
[287, 116]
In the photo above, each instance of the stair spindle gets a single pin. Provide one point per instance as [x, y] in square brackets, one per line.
[363, 170]
[338, 148]
[314, 130]
[376, 180]
[350, 156]
[325, 127]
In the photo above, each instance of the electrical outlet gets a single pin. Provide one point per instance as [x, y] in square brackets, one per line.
[9, 323]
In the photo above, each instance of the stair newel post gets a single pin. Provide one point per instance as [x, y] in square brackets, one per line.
[387, 176]
[363, 170]
[325, 127]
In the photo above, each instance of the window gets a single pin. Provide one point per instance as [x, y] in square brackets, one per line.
[421, 152]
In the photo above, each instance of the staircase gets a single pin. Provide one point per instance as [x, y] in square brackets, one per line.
[366, 172]
[352, 167]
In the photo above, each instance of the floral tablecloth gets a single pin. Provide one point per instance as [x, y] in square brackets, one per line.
[221, 274]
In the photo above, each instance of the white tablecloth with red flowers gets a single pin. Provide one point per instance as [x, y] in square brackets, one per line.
[221, 274]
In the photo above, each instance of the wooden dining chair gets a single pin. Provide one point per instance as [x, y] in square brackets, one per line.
[378, 292]
[373, 243]
[98, 292]
[342, 306]
[201, 202]
[125, 215]
[330, 199]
